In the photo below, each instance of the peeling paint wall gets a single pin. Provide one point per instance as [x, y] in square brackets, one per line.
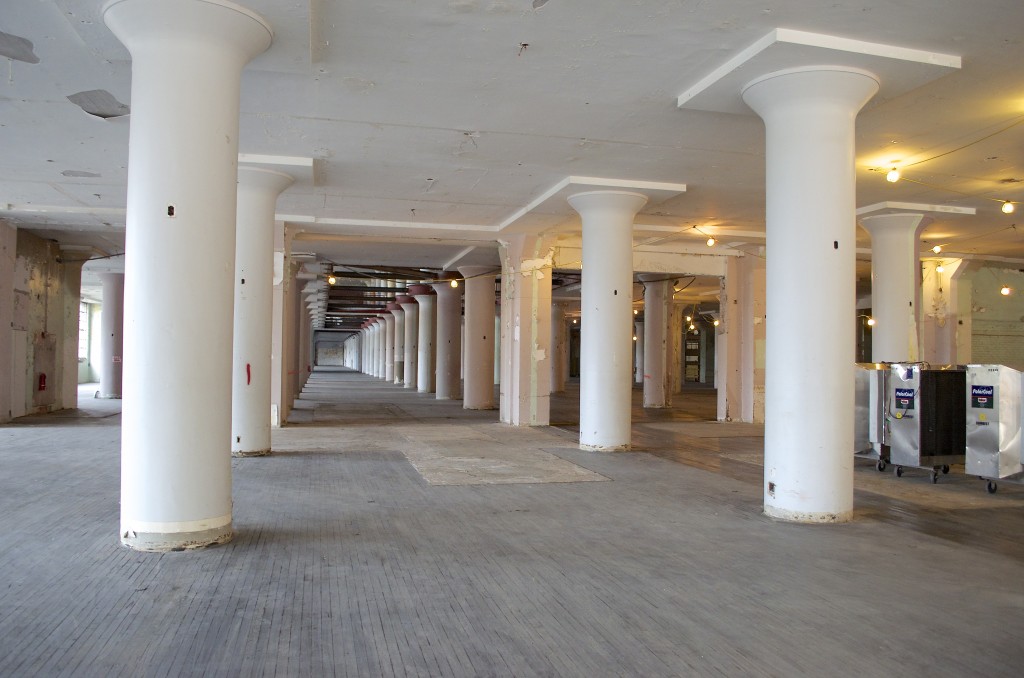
[44, 327]
[8, 254]
[997, 321]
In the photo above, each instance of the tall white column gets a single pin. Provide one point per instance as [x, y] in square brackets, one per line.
[895, 285]
[559, 348]
[389, 344]
[606, 342]
[638, 351]
[258, 190]
[526, 293]
[187, 60]
[398, 312]
[809, 117]
[380, 346]
[112, 334]
[411, 337]
[449, 341]
[425, 337]
[478, 387]
[657, 303]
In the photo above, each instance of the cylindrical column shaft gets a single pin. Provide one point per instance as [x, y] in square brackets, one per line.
[389, 347]
[895, 287]
[478, 387]
[657, 384]
[254, 290]
[809, 117]
[426, 333]
[187, 59]
[606, 346]
[411, 336]
[449, 341]
[381, 342]
[398, 313]
[112, 335]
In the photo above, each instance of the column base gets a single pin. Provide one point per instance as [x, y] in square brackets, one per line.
[483, 407]
[605, 448]
[161, 542]
[250, 453]
[789, 516]
[100, 396]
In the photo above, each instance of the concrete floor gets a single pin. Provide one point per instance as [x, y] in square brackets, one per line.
[347, 562]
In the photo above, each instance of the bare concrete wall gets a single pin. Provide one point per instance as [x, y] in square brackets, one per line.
[45, 294]
[8, 255]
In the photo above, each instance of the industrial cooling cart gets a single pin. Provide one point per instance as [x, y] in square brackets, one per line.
[926, 412]
[994, 419]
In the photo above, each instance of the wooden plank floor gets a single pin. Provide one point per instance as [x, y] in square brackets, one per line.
[347, 563]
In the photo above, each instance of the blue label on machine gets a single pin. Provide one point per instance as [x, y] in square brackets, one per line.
[905, 398]
[983, 397]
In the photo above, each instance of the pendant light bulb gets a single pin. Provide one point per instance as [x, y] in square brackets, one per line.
[711, 242]
[871, 322]
[454, 283]
[331, 280]
[1007, 207]
[893, 176]
[716, 323]
[937, 249]
[1005, 290]
[940, 268]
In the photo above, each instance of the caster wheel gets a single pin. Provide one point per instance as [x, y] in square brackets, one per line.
[991, 487]
[935, 477]
[880, 465]
[945, 468]
[898, 471]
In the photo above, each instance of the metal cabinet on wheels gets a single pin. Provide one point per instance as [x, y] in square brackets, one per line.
[994, 420]
[926, 414]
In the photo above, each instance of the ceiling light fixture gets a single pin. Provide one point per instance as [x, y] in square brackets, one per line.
[893, 176]
[1005, 290]
[716, 323]
[937, 249]
[454, 283]
[1007, 207]
[940, 268]
[871, 322]
[636, 312]
[331, 280]
[711, 242]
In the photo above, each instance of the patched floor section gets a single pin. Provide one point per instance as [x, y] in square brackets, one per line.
[487, 454]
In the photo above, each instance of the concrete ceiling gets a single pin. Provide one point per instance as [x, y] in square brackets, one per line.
[432, 123]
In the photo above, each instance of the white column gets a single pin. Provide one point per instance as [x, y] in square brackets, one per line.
[111, 335]
[638, 351]
[254, 290]
[389, 345]
[425, 337]
[380, 346]
[398, 312]
[187, 59]
[526, 291]
[895, 285]
[411, 336]
[478, 388]
[657, 302]
[809, 117]
[449, 341]
[606, 349]
[559, 348]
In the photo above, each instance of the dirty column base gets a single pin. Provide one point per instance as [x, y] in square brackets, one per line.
[804, 517]
[176, 541]
[250, 453]
[604, 448]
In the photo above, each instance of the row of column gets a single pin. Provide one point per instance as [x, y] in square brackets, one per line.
[178, 339]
